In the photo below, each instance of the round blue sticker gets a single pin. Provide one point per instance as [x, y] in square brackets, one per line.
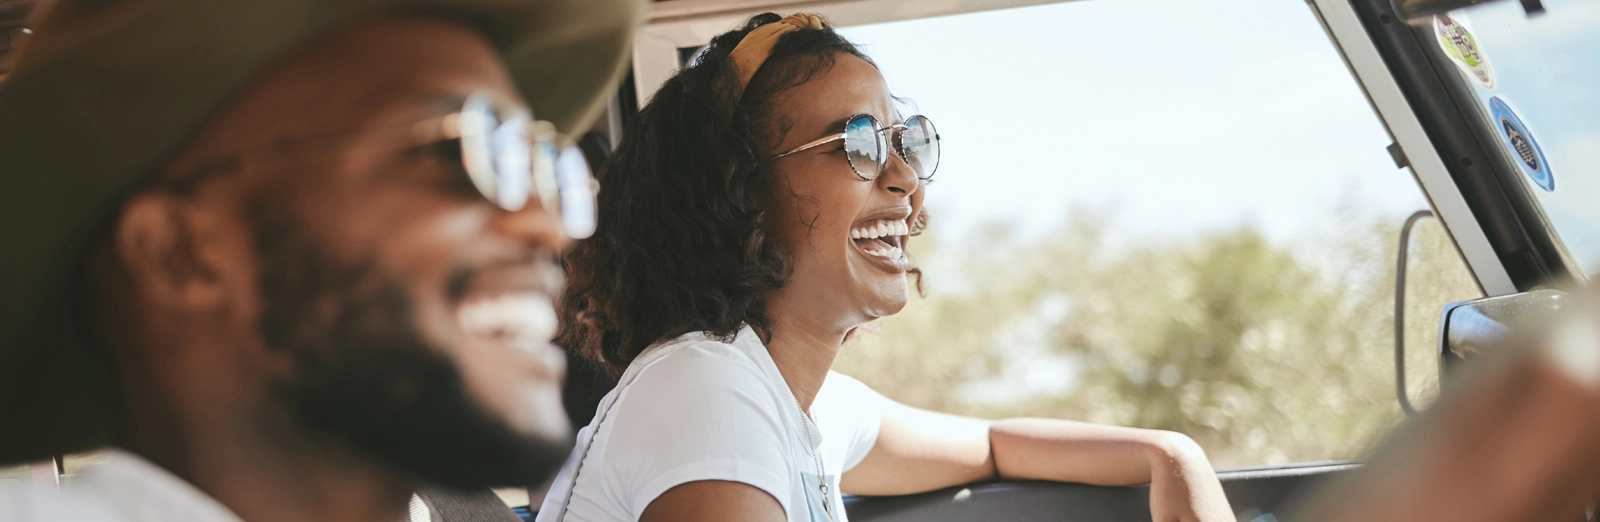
[1524, 149]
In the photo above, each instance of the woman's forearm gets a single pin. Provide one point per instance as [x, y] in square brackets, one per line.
[1067, 451]
[1183, 487]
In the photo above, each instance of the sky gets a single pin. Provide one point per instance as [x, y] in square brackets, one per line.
[1174, 116]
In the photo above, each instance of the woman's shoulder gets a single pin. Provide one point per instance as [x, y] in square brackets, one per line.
[695, 408]
[694, 353]
[698, 374]
[845, 401]
[696, 401]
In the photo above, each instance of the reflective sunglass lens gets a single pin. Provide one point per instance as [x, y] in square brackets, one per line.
[546, 155]
[508, 144]
[863, 147]
[920, 144]
[511, 157]
[577, 193]
[494, 152]
[477, 123]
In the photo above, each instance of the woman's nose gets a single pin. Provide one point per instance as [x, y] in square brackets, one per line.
[898, 177]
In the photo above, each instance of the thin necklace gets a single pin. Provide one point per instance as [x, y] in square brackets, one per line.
[822, 480]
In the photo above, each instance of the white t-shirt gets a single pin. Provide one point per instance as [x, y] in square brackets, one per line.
[695, 408]
[122, 488]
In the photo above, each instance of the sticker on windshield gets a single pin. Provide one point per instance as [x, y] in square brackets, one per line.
[1458, 43]
[1519, 141]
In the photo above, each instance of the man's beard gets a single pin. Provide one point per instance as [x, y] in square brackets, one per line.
[364, 375]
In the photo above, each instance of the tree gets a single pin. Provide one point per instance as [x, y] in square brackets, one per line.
[1264, 353]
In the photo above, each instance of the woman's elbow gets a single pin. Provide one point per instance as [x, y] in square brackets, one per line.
[1170, 447]
[1177, 444]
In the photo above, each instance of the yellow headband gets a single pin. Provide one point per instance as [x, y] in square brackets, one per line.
[756, 47]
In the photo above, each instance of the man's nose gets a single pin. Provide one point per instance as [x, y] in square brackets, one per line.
[533, 224]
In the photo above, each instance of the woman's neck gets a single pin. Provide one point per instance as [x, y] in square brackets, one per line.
[803, 349]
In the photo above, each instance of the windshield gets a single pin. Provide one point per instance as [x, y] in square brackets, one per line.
[1159, 213]
[1533, 79]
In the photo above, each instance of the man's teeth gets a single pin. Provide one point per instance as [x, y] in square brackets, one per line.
[879, 229]
[523, 318]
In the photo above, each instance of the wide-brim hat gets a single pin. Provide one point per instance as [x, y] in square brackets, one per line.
[104, 93]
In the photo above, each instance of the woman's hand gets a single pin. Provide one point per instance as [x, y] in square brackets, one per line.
[1183, 487]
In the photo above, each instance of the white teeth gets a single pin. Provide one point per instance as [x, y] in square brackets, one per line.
[526, 318]
[891, 252]
[880, 229]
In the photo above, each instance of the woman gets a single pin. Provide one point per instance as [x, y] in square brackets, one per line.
[752, 217]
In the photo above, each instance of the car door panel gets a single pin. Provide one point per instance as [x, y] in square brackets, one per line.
[1258, 492]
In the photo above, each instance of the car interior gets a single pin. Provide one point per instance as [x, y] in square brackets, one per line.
[1483, 179]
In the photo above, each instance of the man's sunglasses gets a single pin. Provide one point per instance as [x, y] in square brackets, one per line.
[866, 145]
[508, 156]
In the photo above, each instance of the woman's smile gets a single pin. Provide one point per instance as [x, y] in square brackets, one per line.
[880, 239]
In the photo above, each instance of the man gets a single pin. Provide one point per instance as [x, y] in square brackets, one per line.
[292, 258]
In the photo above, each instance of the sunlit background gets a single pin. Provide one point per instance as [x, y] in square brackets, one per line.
[1161, 213]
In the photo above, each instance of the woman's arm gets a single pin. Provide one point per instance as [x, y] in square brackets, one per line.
[713, 501]
[919, 451]
[1183, 487]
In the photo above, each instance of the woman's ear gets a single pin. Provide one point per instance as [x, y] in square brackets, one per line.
[155, 241]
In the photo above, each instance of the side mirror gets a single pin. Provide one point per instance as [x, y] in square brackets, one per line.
[1470, 327]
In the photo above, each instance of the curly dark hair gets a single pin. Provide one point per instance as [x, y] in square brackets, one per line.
[680, 246]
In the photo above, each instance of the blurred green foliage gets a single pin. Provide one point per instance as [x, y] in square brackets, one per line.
[1264, 353]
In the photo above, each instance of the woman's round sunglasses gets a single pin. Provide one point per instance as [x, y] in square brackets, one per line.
[866, 145]
[508, 156]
